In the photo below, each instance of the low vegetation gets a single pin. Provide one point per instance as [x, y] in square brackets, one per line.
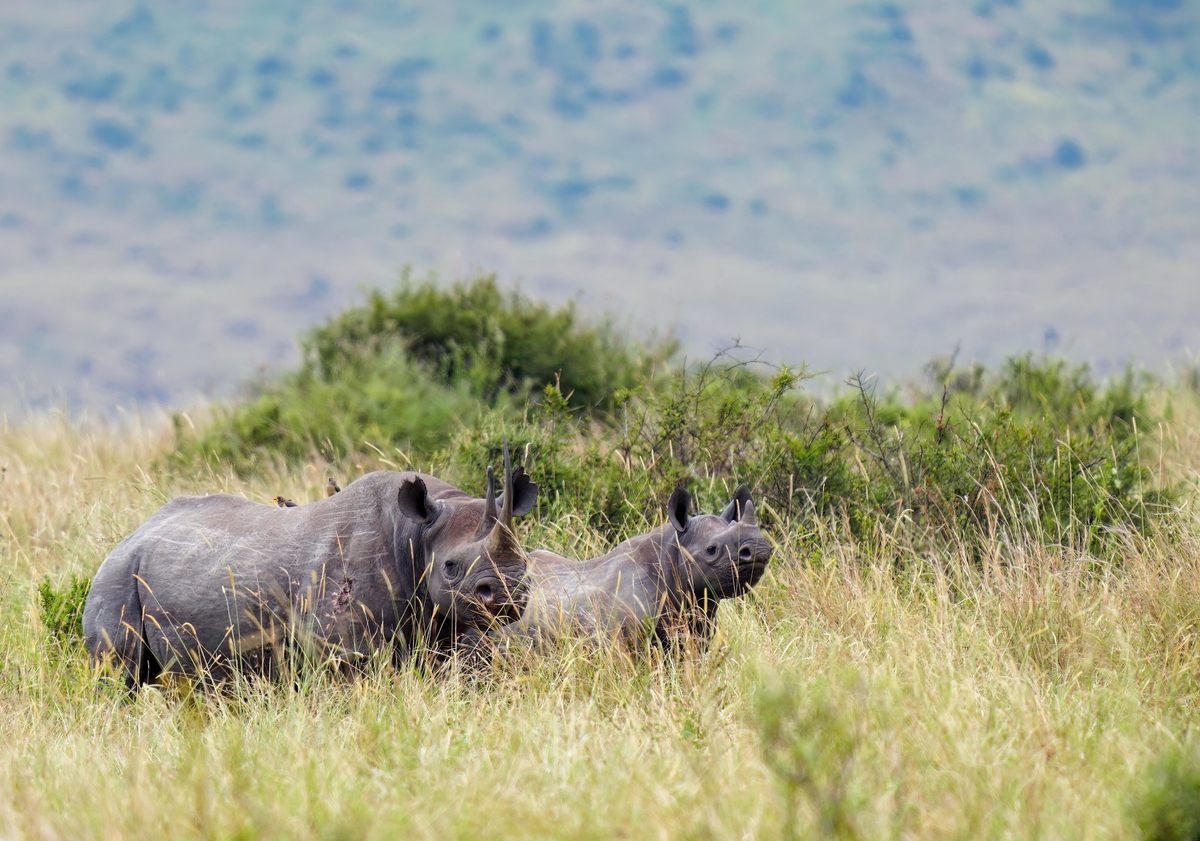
[980, 619]
[440, 375]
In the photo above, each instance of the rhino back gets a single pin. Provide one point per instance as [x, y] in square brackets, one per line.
[221, 573]
[614, 593]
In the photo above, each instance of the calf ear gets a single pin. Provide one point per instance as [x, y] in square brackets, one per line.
[525, 493]
[736, 509]
[414, 500]
[677, 509]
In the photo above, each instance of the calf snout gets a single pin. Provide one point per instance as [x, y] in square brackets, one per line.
[756, 551]
[753, 556]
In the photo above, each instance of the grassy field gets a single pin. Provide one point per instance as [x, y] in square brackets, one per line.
[864, 690]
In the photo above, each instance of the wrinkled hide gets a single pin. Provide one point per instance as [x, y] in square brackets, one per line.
[213, 583]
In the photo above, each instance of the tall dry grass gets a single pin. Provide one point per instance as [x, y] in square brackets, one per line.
[859, 692]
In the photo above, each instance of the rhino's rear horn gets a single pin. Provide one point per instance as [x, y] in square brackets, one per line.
[490, 513]
[749, 517]
[489, 510]
[502, 538]
[506, 510]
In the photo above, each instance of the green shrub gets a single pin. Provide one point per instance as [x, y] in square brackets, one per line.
[574, 465]
[711, 428]
[1168, 806]
[1038, 448]
[410, 368]
[61, 608]
[476, 333]
[730, 422]
[384, 400]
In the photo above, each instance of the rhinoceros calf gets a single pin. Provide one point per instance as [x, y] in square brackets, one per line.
[666, 583]
[216, 582]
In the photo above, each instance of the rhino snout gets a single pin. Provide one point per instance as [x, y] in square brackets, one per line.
[485, 594]
[753, 556]
[495, 599]
[756, 551]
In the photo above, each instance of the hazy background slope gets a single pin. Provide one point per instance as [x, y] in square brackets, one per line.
[854, 184]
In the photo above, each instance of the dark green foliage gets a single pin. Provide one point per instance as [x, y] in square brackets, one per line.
[61, 608]
[710, 429]
[1036, 448]
[1168, 806]
[731, 422]
[577, 471]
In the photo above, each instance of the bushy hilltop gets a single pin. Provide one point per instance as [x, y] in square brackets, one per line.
[233, 172]
[438, 377]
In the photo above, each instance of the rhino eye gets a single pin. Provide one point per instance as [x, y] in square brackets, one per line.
[451, 570]
[712, 550]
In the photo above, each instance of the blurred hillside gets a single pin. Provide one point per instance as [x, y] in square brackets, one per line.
[847, 183]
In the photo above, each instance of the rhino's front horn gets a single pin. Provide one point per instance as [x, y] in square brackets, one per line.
[489, 508]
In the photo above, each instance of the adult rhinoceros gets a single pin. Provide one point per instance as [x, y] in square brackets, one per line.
[217, 582]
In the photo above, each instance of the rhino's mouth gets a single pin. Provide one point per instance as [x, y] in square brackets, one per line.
[749, 574]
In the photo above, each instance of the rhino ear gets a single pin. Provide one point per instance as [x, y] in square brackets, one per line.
[736, 509]
[525, 493]
[677, 509]
[414, 500]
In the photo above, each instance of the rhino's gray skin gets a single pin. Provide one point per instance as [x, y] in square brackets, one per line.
[666, 582]
[210, 583]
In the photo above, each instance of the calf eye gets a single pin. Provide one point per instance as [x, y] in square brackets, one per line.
[712, 550]
[451, 569]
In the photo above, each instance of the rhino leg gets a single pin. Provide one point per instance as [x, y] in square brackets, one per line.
[113, 624]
